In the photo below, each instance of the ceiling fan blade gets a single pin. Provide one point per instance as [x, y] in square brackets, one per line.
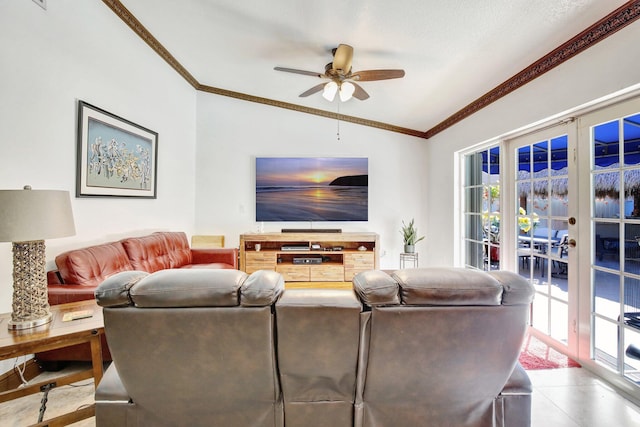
[293, 70]
[342, 58]
[359, 92]
[370, 75]
[315, 89]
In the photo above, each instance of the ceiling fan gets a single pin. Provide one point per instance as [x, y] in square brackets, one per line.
[342, 80]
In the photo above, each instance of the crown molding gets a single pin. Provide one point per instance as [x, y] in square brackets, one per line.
[602, 29]
[308, 110]
[608, 25]
[127, 17]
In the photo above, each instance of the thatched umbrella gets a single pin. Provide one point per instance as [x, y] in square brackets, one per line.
[558, 181]
[606, 183]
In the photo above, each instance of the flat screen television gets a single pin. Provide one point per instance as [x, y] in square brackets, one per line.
[312, 189]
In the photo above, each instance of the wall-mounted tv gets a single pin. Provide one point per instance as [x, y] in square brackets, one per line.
[312, 189]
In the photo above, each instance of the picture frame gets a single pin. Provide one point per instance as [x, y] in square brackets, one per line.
[115, 157]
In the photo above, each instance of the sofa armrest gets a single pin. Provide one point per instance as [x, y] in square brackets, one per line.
[218, 255]
[62, 294]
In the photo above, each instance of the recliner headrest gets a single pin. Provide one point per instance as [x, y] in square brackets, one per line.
[442, 286]
[190, 288]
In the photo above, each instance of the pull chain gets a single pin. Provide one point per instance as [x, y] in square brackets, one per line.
[338, 134]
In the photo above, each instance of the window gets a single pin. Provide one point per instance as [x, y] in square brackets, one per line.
[482, 209]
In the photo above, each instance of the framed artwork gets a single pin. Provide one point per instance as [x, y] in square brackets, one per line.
[116, 157]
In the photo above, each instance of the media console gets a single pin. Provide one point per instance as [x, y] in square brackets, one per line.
[310, 256]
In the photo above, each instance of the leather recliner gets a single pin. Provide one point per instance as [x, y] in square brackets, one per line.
[440, 347]
[190, 347]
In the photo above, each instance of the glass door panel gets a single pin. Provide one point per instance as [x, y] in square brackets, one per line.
[482, 235]
[542, 226]
[615, 289]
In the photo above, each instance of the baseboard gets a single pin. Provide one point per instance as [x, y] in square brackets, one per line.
[11, 380]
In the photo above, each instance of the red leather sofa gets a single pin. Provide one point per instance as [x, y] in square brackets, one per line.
[80, 271]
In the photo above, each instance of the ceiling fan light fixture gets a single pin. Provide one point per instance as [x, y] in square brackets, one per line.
[329, 92]
[346, 91]
[338, 71]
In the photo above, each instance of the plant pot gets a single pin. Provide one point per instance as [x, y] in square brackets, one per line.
[409, 249]
[494, 254]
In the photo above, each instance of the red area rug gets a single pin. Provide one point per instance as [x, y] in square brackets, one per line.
[537, 355]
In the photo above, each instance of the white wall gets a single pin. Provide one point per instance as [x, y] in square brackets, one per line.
[232, 133]
[81, 50]
[605, 68]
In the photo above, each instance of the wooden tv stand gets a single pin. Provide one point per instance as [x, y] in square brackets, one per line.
[310, 257]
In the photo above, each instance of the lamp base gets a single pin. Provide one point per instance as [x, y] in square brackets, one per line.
[16, 325]
[30, 300]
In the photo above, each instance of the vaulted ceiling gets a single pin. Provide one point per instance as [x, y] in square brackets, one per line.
[458, 55]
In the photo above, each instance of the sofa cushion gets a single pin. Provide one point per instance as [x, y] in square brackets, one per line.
[91, 265]
[261, 288]
[516, 289]
[189, 288]
[447, 286]
[375, 287]
[114, 292]
[157, 251]
[178, 248]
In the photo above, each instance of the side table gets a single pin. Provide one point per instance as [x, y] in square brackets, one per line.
[409, 260]
[58, 333]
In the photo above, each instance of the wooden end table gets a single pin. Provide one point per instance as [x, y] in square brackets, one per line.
[58, 333]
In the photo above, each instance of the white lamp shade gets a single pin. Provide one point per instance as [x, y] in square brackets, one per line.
[330, 90]
[346, 91]
[27, 215]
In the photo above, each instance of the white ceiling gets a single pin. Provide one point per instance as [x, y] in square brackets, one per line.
[453, 51]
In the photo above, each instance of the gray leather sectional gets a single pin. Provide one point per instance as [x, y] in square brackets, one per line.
[429, 346]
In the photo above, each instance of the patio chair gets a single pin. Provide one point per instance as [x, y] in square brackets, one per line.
[562, 250]
[632, 304]
[633, 352]
[606, 246]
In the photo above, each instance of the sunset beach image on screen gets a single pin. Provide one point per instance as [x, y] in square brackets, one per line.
[312, 189]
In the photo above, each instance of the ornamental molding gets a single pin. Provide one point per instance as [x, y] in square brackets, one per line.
[602, 29]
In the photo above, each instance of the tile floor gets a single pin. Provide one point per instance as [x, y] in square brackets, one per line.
[574, 397]
[562, 398]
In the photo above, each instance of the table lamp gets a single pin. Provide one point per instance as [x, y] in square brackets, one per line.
[27, 217]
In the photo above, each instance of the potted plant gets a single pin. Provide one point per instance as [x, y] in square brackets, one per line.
[410, 236]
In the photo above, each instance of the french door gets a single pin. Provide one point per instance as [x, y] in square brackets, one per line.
[544, 227]
[573, 192]
[611, 166]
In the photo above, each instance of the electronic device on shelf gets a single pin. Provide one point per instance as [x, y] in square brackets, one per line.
[294, 248]
[312, 230]
[307, 260]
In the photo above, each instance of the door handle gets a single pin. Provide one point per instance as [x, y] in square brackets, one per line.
[572, 243]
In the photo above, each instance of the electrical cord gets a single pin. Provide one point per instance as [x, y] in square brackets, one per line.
[21, 371]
